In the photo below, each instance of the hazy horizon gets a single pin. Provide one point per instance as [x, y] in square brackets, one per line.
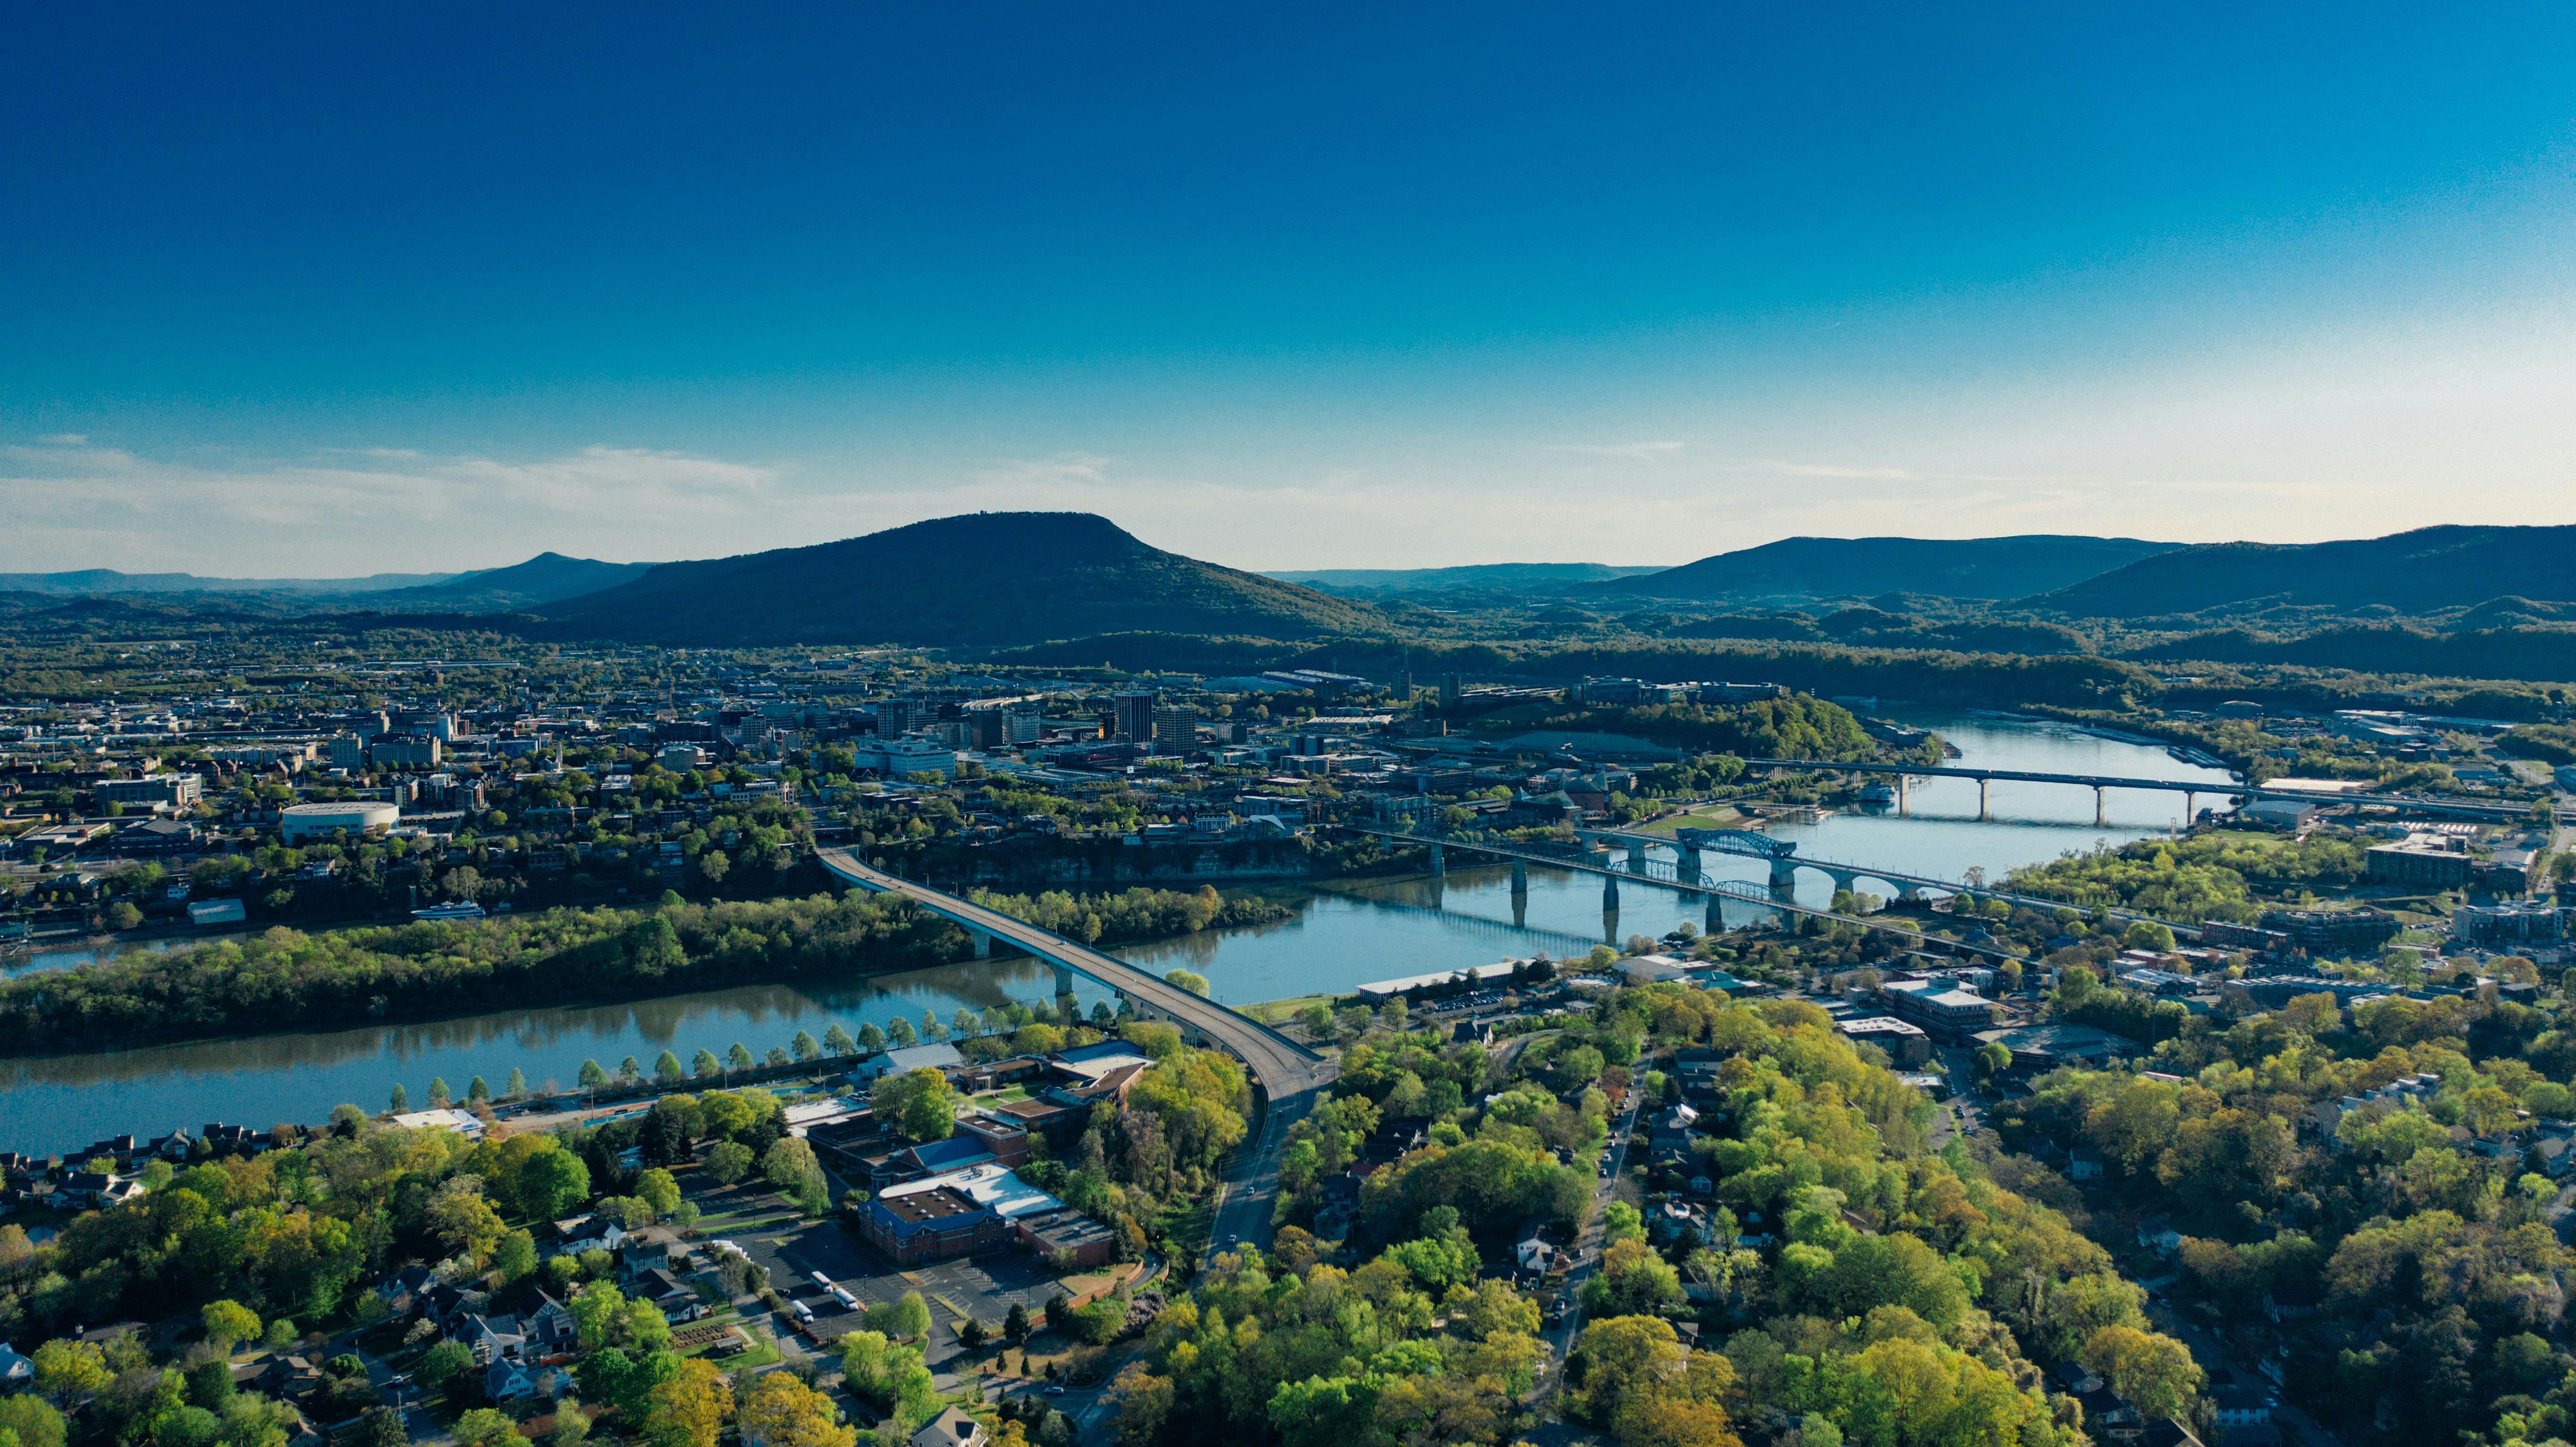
[319, 293]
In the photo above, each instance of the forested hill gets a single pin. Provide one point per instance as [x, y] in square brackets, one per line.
[1500, 577]
[980, 579]
[2411, 572]
[545, 578]
[1866, 567]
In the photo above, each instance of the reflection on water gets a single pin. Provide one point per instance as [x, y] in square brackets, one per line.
[42, 961]
[1344, 933]
[63, 1102]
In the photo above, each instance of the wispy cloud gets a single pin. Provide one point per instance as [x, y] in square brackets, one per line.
[355, 510]
[1824, 469]
[1632, 451]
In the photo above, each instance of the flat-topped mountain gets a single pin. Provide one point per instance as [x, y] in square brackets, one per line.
[978, 579]
[2412, 572]
[1866, 567]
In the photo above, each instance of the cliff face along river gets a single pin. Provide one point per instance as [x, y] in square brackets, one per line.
[1345, 932]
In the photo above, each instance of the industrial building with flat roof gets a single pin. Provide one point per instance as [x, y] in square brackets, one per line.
[1939, 1006]
[956, 1214]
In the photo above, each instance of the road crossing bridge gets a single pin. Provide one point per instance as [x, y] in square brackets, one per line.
[1625, 854]
[1280, 1066]
[2101, 784]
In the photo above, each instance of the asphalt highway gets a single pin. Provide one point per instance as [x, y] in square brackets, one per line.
[1288, 1074]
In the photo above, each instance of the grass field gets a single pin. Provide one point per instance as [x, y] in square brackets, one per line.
[1271, 1012]
[1707, 816]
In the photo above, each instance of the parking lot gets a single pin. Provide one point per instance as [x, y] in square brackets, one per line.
[983, 1287]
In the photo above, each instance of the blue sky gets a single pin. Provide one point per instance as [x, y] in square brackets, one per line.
[338, 290]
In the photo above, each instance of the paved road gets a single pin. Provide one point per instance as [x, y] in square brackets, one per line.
[1252, 1180]
[2216, 1360]
[1588, 1243]
[1288, 1073]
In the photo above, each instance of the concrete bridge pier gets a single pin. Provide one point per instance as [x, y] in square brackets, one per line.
[1716, 921]
[1636, 856]
[1609, 891]
[2099, 818]
[1688, 870]
[1904, 796]
[1983, 785]
[1439, 867]
[1784, 875]
[983, 944]
[1064, 978]
[1520, 879]
[1520, 910]
[2190, 807]
[1842, 881]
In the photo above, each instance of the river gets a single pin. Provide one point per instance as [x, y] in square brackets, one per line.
[1344, 933]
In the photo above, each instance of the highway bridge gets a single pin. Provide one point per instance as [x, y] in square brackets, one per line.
[1287, 1074]
[2190, 789]
[1685, 879]
[1279, 1065]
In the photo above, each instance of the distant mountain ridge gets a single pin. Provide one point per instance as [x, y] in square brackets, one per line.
[1534, 577]
[982, 579]
[2010, 567]
[546, 578]
[2413, 572]
[89, 582]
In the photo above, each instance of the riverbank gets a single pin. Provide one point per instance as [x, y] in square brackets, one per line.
[1342, 930]
[240, 986]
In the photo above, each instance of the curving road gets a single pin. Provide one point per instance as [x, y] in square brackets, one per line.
[1289, 1074]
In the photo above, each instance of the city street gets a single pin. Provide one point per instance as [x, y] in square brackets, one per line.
[1587, 1245]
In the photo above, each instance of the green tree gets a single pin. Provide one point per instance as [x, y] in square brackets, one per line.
[1196, 984]
[920, 1104]
[592, 1076]
[666, 1069]
[659, 1190]
[789, 1164]
[400, 1101]
[35, 1421]
[516, 1259]
[70, 1370]
[229, 1322]
[384, 1428]
[729, 1162]
[803, 1047]
[2146, 934]
[739, 1057]
[704, 1065]
[912, 1316]
[443, 1363]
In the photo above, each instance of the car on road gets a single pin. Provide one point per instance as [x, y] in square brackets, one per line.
[1054, 1391]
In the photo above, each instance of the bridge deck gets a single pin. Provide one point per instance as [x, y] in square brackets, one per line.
[1281, 1066]
[1669, 876]
[2429, 803]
